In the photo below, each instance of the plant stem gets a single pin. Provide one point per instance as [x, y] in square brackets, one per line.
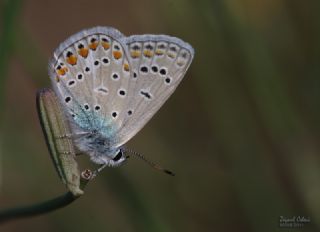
[37, 209]
[45, 206]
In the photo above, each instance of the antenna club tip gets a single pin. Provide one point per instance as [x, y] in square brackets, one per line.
[169, 172]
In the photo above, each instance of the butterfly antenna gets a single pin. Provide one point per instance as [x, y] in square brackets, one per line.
[153, 165]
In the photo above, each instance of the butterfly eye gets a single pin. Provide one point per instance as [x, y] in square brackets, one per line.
[118, 156]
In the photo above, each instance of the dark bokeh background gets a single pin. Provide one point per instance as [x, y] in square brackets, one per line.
[241, 131]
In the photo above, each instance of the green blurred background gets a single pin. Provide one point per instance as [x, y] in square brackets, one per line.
[241, 131]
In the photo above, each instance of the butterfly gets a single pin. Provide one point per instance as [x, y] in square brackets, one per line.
[111, 85]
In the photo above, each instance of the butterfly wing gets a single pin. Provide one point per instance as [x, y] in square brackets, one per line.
[115, 84]
[87, 72]
[157, 65]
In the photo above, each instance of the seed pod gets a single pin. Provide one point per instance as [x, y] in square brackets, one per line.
[57, 134]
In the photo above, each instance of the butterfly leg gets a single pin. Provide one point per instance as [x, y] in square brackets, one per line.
[70, 136]
[70, 153]
[66, 153]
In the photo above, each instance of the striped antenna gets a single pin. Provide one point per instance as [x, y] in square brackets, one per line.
[153, 165]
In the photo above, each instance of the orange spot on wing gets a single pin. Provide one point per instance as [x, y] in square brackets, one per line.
[126, 67]
[83, 52]
[62, 71]
[93, 46]
[135, 54]
[72, 59]
[147, 53]
[117, 55]
[105, 45]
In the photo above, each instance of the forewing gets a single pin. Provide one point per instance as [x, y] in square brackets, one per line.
[88, 72]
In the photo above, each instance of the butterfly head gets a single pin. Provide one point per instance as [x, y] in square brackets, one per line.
[112, 159]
